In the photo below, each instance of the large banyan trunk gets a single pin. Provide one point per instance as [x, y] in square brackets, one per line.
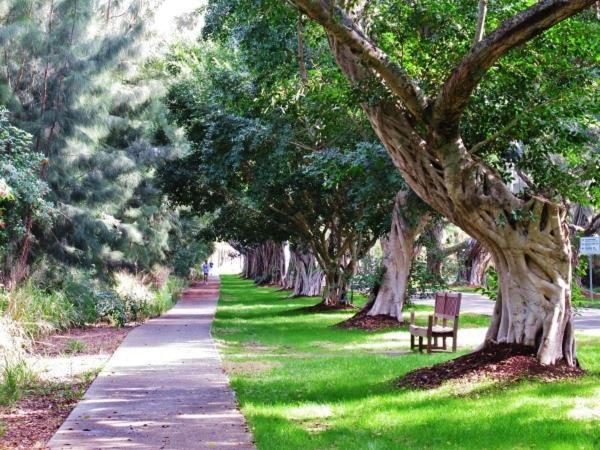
[399, 252]
[475, 262]
[534, 305]
[527, 238]
[304, 277]
[265, 263]
[309, 276]
[271, 263]
[290, 274]
[249, 264]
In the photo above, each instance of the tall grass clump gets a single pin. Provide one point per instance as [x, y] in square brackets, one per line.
[12, 343]
[40, 312]
[166, 295]
[15, 378]
[147, 296]
[14, 373]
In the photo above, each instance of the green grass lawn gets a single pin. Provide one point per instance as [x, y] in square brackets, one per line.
[303, 384]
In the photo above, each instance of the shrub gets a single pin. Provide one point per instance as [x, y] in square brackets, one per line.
[369, 275]
[111, 307]
[147, 296]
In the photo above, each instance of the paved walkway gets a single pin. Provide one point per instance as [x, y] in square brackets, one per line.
[586, 319]
[164, 388]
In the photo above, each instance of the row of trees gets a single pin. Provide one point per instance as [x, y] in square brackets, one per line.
[292, 107]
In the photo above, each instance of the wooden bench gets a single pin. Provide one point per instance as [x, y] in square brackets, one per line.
[447, 309]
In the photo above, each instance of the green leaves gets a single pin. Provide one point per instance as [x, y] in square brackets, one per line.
[22, 192]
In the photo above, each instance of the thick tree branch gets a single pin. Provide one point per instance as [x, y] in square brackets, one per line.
[339, 25]
[445, 252]
[456, 92]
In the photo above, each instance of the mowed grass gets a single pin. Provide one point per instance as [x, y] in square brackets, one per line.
[303, 384]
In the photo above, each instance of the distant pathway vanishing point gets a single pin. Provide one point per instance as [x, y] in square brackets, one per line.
[164, 388]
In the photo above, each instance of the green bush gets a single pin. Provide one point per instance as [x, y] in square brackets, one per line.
[3, 301]
[82, 296]
[111, 307]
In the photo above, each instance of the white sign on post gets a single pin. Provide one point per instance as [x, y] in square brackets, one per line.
[589, 245]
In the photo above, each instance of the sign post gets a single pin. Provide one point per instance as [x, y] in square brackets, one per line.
[590, 246]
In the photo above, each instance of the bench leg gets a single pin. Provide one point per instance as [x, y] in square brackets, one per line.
[444, 342]
[412, 341]
[435, 342]
[428, 344]
[454, 343]
[420, 343]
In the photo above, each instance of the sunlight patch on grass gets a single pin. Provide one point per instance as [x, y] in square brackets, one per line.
[249, 367]
[309, 411]
[586, 408]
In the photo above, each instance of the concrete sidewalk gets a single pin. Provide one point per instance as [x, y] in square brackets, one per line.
[164, 388]
[586, 319]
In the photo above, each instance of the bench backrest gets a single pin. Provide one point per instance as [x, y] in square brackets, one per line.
[447, 305]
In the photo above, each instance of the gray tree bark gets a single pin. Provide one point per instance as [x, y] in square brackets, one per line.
[399, 252]
[475, 262]
[308, 280]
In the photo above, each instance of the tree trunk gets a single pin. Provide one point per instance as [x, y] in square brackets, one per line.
[308, 278]
[399, 252]
[534, 305]
[435, 250]
[335, 292]
[290, 273]
[476, 261]
[532, 254]
[266, 263]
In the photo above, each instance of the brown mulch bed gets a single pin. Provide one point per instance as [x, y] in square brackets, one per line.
[322, 307]
[32, 421]
[98, 339]
[500, 362]
[362, 321]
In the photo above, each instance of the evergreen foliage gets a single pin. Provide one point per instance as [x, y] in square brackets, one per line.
[76, 79]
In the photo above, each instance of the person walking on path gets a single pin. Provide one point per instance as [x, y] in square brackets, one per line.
[205, 271]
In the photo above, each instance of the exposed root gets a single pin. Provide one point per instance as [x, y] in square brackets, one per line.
[498, 362]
